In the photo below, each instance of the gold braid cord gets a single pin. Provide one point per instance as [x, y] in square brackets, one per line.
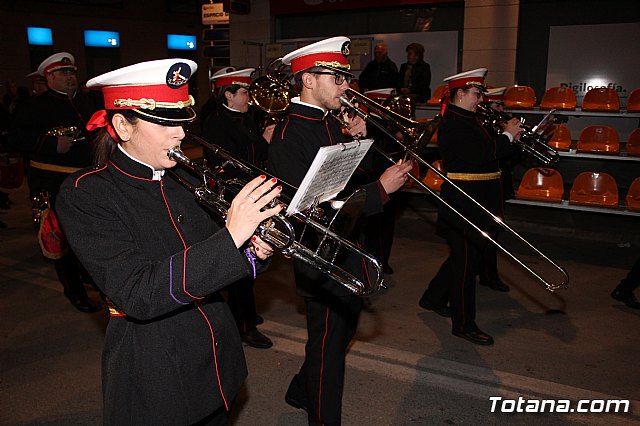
[145, 103]
[334, 64]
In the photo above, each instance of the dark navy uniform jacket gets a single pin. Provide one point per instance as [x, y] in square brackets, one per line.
[176, 356]
[466, 147]
[296, 141]
[237, 133]
[41, 114]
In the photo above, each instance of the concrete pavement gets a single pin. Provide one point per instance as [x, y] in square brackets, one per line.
[404, 367]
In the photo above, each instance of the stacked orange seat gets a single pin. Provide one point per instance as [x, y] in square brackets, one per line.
[561, 138]
[601, 99]
[594, 189]
[541, 184]
[633, 101]
[633, 144]
[519, 97]
[599, 139]
[432, 180]
[561, 98]
[633, 196]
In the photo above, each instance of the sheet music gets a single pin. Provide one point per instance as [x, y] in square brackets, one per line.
[547, 119]
[329, 173]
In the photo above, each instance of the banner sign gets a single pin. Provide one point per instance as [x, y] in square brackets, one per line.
[279, 7]
[584, 57]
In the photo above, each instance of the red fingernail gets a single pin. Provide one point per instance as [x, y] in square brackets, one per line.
[263, 177]
[253, 238]
[274, 180]
[257, 248]
[279, 187]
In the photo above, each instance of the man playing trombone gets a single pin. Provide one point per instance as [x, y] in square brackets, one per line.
[321, 71]
[471, 160]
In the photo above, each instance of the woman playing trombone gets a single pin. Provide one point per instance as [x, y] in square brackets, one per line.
[172, 353]
[471, 160]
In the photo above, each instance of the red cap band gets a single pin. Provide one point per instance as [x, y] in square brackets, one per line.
[228, 81]
[465, 81]
[159, 93]
[308, 61]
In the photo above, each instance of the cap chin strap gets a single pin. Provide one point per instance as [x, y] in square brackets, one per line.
[145, 103]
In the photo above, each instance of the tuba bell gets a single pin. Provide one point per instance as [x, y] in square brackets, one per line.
[272, 93]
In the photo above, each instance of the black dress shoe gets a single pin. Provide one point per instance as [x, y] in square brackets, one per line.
[628, 298]
[83, 304]
[496, 285]
[443, 311]
[256, 339]
[477, 336]
[259, 320]
[292, 398]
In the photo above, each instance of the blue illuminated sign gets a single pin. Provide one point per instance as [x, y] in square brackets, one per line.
[40, 36]
[101, 38]
[181, 42]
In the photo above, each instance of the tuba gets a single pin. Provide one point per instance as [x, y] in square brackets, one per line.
[72, 132]
[531, 141]
[272, 93]
[423, 133]
[314, 236]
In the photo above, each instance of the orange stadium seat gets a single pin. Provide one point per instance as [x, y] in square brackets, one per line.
[415, 172]
[633, 101]
[633, 196]
[562, 98]
[633, 144]
[599, 139]
[432, 180]
[437, 95]
[561, 138]
[594, 189]
[519, 97]
[541, 184]
[601, 99]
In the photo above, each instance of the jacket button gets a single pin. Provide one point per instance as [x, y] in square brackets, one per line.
[181, 218]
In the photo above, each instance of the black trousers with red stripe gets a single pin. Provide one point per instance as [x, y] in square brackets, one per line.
[331, 324]
[455, 282]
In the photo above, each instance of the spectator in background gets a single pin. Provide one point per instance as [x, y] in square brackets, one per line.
[415, 75]
[380, 73]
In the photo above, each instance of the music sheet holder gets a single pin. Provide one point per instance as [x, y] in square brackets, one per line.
[328, 174]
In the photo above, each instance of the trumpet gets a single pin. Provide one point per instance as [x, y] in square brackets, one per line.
[351, 96]
[531, 141]
[321, 248]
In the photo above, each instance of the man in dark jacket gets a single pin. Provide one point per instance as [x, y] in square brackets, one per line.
[322, 72]
[50, 130]
[381, 73]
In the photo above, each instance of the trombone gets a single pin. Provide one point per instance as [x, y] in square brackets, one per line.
[531, 141]
[423, 135]
[321, 249]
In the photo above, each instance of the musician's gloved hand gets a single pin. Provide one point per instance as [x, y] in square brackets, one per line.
[268, 132]
[245, 213]
[395, 176]
[514, 128]
[64, 144]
